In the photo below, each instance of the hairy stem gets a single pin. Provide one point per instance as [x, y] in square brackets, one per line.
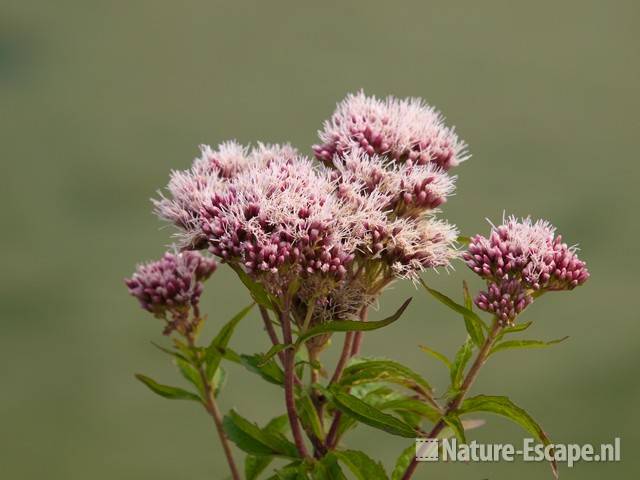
[289, 382]
[456, 401]
[211, 406]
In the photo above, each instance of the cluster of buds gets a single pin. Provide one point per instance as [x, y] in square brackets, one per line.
[518, 259]
[170, 288]
[506, 300]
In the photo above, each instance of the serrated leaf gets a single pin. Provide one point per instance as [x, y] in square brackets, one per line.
[512, 344]
[503, 406]
[350, 325]
[460, 362]
[473, 323]
[166, 391]
[403, 461]
[386, 371]
[437, 355]
[254, 440]
[361, 465]
[370, 415]
[212, 355]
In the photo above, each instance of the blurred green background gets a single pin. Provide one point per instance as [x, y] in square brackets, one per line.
[100, 99]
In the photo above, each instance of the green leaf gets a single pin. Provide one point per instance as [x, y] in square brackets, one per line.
[191, 374]
[257, 291]
[412, 405]
[256, 441]
[503, 406]
[403, 461]
[350, 325]
[518, 327]
[328, 469]
[218, 380]
[460, 362]
[255, 465]
[294, 471]
[273, 351]
[453, 422]
[468, 301]
[436, 355]
[168, 351]
[309, 415]
[371, 415]
[383, 370]
[472, 321]
[212, 356]
[361, 465]
[166, 391]
[269, 370]
[511, 344]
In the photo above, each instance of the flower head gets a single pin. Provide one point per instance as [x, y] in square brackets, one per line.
[404, 130]
[528, 251]
[171, 285]
[281, 219]
[405, 189]
[506, 300]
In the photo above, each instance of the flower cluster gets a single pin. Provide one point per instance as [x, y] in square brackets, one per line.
[404, 130]
[395, 154]
[343, 229]
[171, 285]
[519, 258]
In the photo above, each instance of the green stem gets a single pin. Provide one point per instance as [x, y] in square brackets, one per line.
[456, 401]
[211, 406]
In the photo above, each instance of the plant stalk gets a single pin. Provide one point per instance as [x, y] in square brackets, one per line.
[289, 383]
[211, 406]
[455, 403]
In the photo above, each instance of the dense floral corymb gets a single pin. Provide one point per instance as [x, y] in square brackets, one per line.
[521, 259]
[528, 251]
[405, 130]
[171, 285]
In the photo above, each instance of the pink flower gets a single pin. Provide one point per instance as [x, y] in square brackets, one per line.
[280, 218]
[190, 190]
[404, 130]
[405, 189]
[171, 285]
[528, 251]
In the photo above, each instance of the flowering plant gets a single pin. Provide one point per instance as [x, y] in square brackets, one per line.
[316, 244]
